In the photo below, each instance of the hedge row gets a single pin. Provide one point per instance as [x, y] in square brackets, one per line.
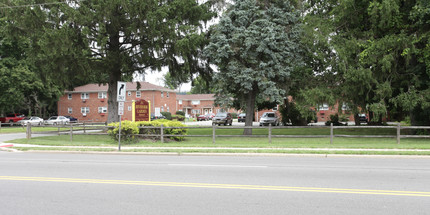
[129, 129]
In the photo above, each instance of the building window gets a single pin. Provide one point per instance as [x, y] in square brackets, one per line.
[180, 102]
[129, 93]
[102, 95]
[168, 109]
[85, 110]
[275, 108]
[69, 96]
[195, 102]
[162, 94]
[102, 109]
[162, 109]
[167, 94]
[85, 95]
[129, 108]
[195, 111]
[138, 94]
[69, 110]
[323, 107]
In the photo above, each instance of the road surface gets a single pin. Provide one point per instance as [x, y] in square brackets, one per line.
[66, 183]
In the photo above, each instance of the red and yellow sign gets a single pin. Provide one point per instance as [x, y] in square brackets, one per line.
[142, 110]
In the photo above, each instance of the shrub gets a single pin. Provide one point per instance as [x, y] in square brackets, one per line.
[166, 123]
[335, 120]
[178, 117]
[182, 113]
[128, 130]
[168, 115]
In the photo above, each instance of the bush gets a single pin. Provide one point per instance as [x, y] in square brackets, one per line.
[168, 115]
[128, 130]
[335, 120]
[166, 123]
[178, 117]
[182, 113]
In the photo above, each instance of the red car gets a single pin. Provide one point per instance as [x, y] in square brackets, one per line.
[202, 118]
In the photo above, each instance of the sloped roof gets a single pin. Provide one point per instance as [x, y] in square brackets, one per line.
[196, 97]
[131, 86]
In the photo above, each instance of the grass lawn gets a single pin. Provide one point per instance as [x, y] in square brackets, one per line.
[235, 142]
[21, 129]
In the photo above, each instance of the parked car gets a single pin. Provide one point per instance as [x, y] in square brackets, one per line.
[57, 120]
[363, 118]
[241, 117]
[222, 118]
[71, 118]
[202, 118]
[34, 120]
[269, 118]
[12, 117]
[210, 116]
[155, 117]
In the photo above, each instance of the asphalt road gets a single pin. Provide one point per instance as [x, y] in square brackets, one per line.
[62, 183]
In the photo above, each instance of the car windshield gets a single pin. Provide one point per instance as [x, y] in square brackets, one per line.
[242, 114]
[221, 114]
[52, 118]
[269, 115]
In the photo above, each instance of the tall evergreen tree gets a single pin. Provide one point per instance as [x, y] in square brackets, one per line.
[256, 47]
[106, 41]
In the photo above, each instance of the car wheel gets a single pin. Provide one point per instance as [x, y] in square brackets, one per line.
[40, 123]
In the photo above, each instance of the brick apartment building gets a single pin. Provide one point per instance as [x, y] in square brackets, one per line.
[198, 104]
[89, 102]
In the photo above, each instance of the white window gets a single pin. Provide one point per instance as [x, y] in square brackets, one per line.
[85, 109]
[195, 102]
[129, 108]
[275, 108]
[167, 94]
[168, 109]
[162, 94]
[69, 110]
[85, 95]
[324, 107]
[69, 96]
[102, 95]
[138, 94]
[180, 102]
[162, 109]
[102, 109]
[195, 111]
[129, 93]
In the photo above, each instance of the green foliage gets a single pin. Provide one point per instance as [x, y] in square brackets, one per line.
[234, 115]
[335, 120]
[166, 123]
[178, 117]
[109, 41]
[291, 114]
[168, 115]
[182, 113]
[128, 130]
[256, 48]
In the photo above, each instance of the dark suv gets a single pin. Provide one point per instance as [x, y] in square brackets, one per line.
[222, 118]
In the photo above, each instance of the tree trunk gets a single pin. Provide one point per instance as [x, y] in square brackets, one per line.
[250, 107]
[357, 119]
[113, 59]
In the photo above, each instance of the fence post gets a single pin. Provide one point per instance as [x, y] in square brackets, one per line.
[0, 125]
[28, 131]
[161, 133]
[270, 133]
[71, 132]
[398, 133]
[84, 128]
[213, 133]
[331, 133]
